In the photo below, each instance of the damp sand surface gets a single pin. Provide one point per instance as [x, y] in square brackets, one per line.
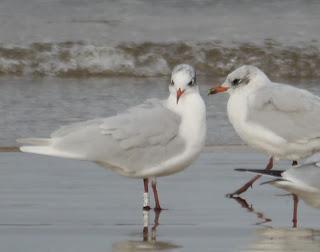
[53, 204]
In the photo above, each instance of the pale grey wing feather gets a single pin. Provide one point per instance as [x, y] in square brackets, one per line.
[150, 123]
[143, 137]
[71, 128]
[304, 181]
[308, 175]
[289, 112]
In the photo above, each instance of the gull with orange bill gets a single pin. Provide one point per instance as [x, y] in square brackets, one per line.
[156, 138]
[277, 119]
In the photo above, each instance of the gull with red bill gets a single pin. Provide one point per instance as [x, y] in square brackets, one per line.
[277, 119]
[156, 138]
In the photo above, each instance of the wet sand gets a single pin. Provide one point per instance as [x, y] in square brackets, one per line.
[52, 204]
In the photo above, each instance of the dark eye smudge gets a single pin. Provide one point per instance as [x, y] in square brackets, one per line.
[236, 82]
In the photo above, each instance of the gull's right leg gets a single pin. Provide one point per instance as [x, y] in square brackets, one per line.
[295, 211]
[246, 186]
[146, 195]
[155, 193]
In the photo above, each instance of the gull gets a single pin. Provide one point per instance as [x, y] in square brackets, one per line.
[302, 181]
[156, 138]
[277, 119]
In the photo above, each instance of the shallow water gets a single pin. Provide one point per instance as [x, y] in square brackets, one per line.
[36, 107]
[52, 204]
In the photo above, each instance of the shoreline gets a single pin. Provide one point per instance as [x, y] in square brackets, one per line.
[9, 149]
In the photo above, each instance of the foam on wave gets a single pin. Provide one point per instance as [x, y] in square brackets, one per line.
[77, 59]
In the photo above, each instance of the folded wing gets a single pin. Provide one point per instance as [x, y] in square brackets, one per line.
[291, 113]
[142, 137]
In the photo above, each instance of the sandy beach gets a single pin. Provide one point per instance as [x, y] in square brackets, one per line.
[52, 204]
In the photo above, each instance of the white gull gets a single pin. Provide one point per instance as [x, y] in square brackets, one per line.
[156, 138]
[278, 119]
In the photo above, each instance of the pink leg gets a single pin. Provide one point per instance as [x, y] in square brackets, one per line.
[155, 193]
[246, 186]
[146, 196]
[295, 210]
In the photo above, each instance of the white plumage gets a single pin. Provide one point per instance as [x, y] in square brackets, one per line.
[156, 138]
[280, 120]
[302, 180]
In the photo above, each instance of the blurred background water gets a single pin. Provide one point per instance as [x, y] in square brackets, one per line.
[80, 38]
[68, 60]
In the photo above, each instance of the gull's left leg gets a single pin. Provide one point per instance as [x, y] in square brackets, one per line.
[295, 210]
[155, 193]
[246, 186]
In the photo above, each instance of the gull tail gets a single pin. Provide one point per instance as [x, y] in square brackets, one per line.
[36, 145]
[275, 174]
[44, 146]
[272, 173]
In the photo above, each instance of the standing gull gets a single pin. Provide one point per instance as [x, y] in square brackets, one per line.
[156, 138]
[302, 181]
[277, 119]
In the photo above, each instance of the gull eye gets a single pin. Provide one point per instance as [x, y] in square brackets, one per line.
[172, 82]
[191, 83]
[236, 82]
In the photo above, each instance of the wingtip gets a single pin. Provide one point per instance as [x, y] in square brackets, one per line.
[240, 169]
[273, 173]
[271, 181]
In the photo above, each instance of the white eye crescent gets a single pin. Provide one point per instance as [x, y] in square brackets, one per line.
[191, 83]
[236, 82]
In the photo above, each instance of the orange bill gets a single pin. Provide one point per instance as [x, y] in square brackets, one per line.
[218, 89]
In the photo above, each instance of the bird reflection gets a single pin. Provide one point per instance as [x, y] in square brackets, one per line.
[270, 239]
[244, 204]
[285, 240]
[149, 240]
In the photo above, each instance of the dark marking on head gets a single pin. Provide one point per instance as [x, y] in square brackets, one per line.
[246, 79]
[187, 69]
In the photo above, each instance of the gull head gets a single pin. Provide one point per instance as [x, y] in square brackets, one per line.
[183, 81]
[241, 77]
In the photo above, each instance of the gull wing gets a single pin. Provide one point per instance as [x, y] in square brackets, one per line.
[142, 137]
[289, 112]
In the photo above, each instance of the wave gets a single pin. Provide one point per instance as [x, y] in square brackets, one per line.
[77, 59]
